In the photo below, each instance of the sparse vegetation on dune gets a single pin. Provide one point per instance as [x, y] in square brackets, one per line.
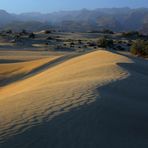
[52, 40]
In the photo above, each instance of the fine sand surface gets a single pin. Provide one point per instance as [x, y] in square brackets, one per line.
[99, 99]
[15, 71]
[14, 56]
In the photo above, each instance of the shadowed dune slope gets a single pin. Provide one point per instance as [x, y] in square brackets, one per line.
[83, 102]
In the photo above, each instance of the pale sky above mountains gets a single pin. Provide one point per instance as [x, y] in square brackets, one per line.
[44, 6]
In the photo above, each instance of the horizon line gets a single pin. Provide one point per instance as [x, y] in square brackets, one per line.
[89, 9]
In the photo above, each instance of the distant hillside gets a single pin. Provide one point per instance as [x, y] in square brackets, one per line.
[117, 19]
[27, 25]
[144, 29]
[6, 18]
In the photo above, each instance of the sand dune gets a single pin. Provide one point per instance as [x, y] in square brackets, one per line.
[14, 56]
[11, 72]
[93, 100]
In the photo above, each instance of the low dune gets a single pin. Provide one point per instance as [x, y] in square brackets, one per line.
[95, 100]
[15, 71]
[14, 56]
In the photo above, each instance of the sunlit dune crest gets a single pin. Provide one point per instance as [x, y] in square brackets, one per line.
[57, 90]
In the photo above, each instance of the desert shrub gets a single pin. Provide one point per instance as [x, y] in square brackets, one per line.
[62, 48]
[103, 42]
[110, 43]
[57, 36]
[85, 46]
[9, 31]
[107, 31]
[140, 47]
[65, 44]
[17, 36]
[119, 48]
[94, 31]
[91, 44]
[49, 38]
[48, 31]
[119, 42]
[32, 35]
[72, 44]
[80, 41]
[46, 43]
[24, 31]
[129, 43]
[131, 34]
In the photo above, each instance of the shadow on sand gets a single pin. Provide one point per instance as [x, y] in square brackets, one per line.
[22, 76]
[117, 119]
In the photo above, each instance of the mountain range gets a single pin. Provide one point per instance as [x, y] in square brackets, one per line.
[116, 19]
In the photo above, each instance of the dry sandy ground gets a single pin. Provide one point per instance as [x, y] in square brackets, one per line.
[94, 100]
[15, 71]
[14, 56]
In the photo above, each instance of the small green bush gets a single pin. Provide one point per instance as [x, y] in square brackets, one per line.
[103, 42]
[140, 47]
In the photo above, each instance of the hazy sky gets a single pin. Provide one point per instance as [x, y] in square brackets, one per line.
[19, 6]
